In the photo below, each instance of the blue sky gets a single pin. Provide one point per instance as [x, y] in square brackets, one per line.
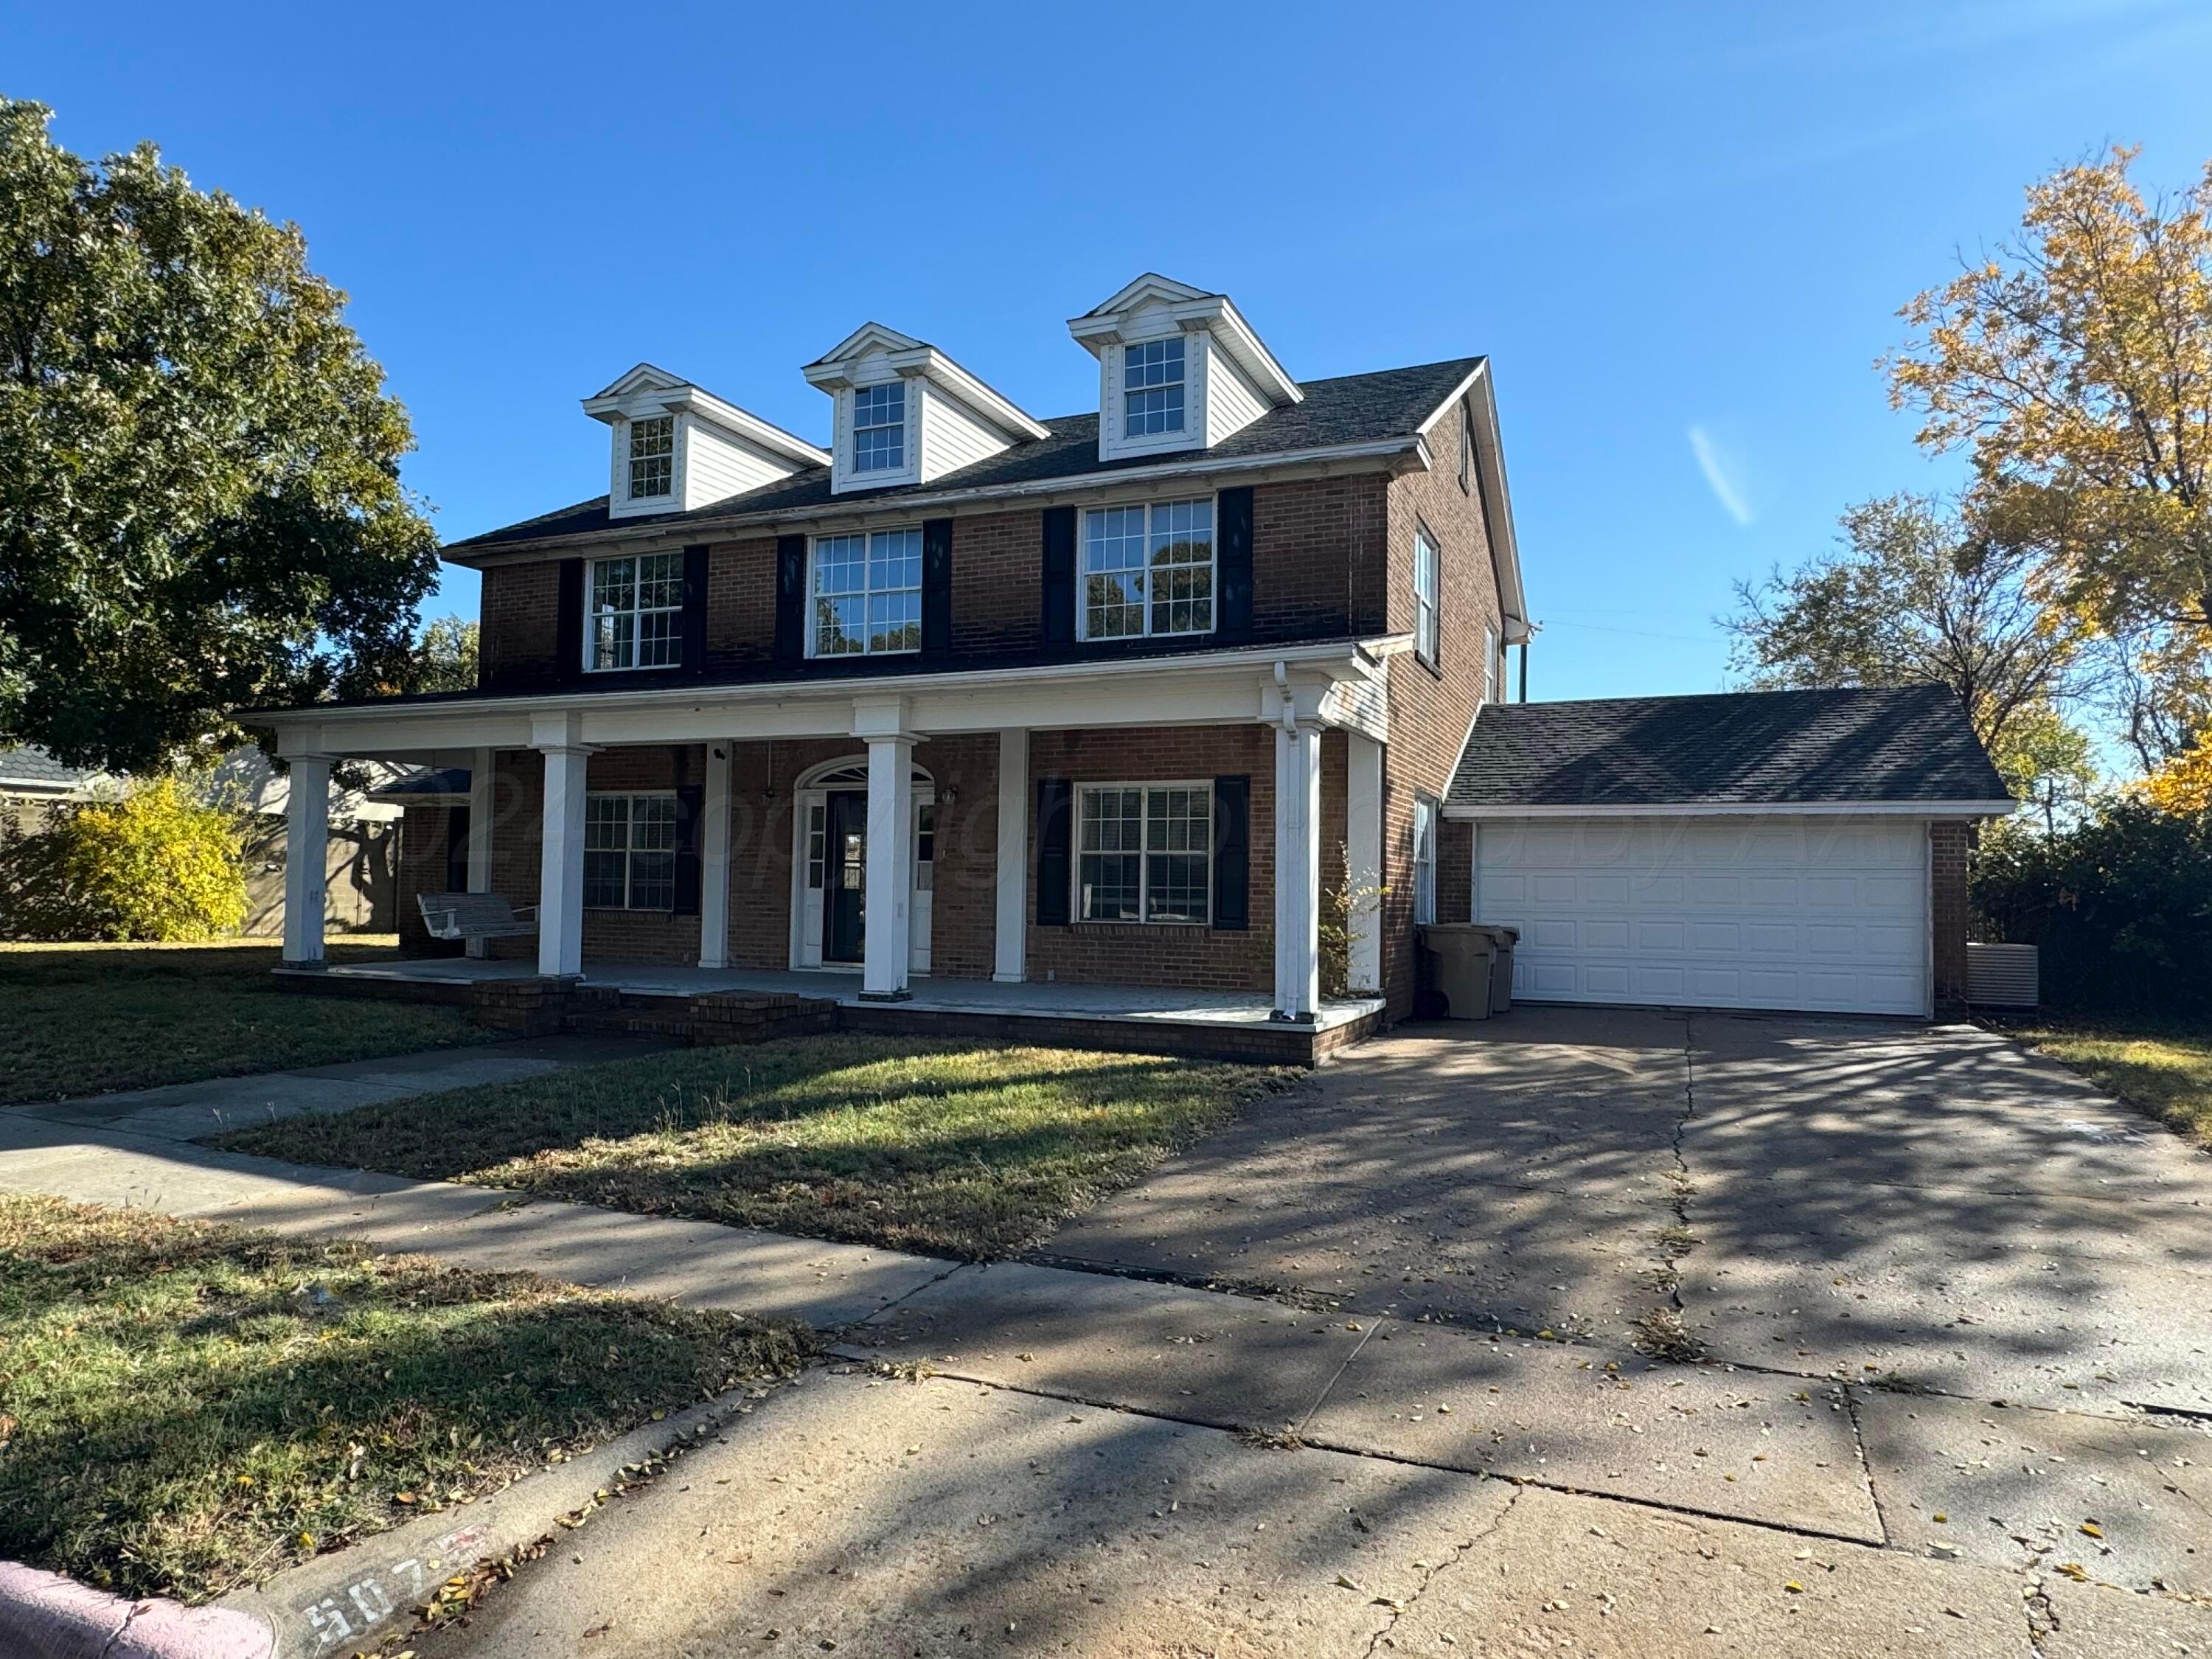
[1681, 231]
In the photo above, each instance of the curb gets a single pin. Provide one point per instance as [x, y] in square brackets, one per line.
[339, 1603]
[44, 1615]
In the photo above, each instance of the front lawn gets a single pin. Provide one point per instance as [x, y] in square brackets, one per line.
[947, 1148]
[2163, 1067]
[83, 1019]
[186, 1408]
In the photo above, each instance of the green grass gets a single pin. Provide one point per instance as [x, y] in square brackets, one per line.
[2163, 1067]
[82, 1020]
[947, 1148]
[186, 1407]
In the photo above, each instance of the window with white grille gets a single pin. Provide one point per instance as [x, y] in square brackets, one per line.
[1145, 852]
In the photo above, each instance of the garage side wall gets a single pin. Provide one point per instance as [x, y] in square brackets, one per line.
[1948, 841]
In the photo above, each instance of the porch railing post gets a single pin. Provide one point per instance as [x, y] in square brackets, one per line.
[1297, 870]
[1363, 849]
[482, 798]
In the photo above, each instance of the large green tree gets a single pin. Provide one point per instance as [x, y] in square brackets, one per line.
[200, 504]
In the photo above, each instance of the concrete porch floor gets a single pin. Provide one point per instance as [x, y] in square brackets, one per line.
[1054, 1000]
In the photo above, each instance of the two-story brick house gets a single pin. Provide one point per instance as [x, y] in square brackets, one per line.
[1148, 695]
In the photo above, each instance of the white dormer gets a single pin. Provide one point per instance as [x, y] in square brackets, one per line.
[1178, 369]
[906, 413]
[679, 447]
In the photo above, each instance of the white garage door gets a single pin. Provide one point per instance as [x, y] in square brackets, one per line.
[1746, 912]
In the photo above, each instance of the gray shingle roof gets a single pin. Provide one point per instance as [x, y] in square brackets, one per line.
[1350, 409]
[1735, 748]
[29, 767]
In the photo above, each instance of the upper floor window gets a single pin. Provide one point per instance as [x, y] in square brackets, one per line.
[1147, 853]
[867, 593]
[879, 428]
[1490, 665]
[1424, 860]
[636, 608]
[1148, 570]
[653, 457]
[1151, 387]
[1426, 588]
[629, 852]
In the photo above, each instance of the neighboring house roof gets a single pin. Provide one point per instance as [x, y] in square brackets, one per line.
[28, 771]
[439, 781]
[1892, 743]
[1353, 409]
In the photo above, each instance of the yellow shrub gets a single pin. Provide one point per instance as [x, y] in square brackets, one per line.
[159, 864]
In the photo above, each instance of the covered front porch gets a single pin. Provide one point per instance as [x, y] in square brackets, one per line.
[968, 801]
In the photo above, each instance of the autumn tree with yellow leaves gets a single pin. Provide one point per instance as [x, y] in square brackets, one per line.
[2075, 365]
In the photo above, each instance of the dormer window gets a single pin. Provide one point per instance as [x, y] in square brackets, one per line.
[879, 428]
[1153, 382]
[653, 457]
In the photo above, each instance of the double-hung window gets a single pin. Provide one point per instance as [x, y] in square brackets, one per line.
[1424, 860]
[1427, 586]
[1490, 665]
[1148, 570]
[879, 428]
[636, 610]
[1152, 387]
[629, 852]
[653, 457]
[867, 593]
[1146, 852]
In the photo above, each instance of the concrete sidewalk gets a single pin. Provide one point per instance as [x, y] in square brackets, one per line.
[1071, 1405]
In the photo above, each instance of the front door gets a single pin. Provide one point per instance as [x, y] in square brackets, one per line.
[844, 927]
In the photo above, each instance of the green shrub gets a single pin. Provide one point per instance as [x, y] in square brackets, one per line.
[157, 865]
[2121, 906]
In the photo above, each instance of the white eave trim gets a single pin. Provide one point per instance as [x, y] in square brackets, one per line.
[688, 528]
[698, 401]
[1338, 660]
[1782, 809]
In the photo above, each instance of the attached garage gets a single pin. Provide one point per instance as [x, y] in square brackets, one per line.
[1784, 850]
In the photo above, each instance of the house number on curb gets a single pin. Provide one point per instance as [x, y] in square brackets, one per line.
[367, 1603]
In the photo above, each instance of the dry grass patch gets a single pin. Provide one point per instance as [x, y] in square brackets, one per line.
[955, 1149]
[191, 1408]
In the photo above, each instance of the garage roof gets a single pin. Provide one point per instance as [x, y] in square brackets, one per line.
[1833, 748]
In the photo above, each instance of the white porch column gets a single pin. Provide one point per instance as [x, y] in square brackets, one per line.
[1363, 849]
[307, 859]
[1297, 870]
[482, 774]
[560, 856]
[888, 908]
[1013, 889]
[714, 860]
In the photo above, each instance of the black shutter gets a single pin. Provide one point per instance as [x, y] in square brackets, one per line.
[790, 601]
[688, 799]
[457, 850]
[1233, 552]
[1055, 798]
[1232, 853]
[695, 610]
[936, 586]
[569, 624]
[1059, 565]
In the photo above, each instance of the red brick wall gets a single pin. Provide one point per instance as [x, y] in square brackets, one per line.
[1315, 541]
[518, 616]
[1135, 953]
[1431, 709]
[1948, 841]
[741, 602]
[1455, 871]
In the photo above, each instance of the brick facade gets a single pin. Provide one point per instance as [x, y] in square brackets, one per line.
[1431, 708]
[1948, 840]
[426, 835]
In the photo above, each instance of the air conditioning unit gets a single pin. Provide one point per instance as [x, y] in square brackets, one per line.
[2001, 975]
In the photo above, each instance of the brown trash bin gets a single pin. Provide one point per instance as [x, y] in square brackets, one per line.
[1460, 955]
[1502, 939]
